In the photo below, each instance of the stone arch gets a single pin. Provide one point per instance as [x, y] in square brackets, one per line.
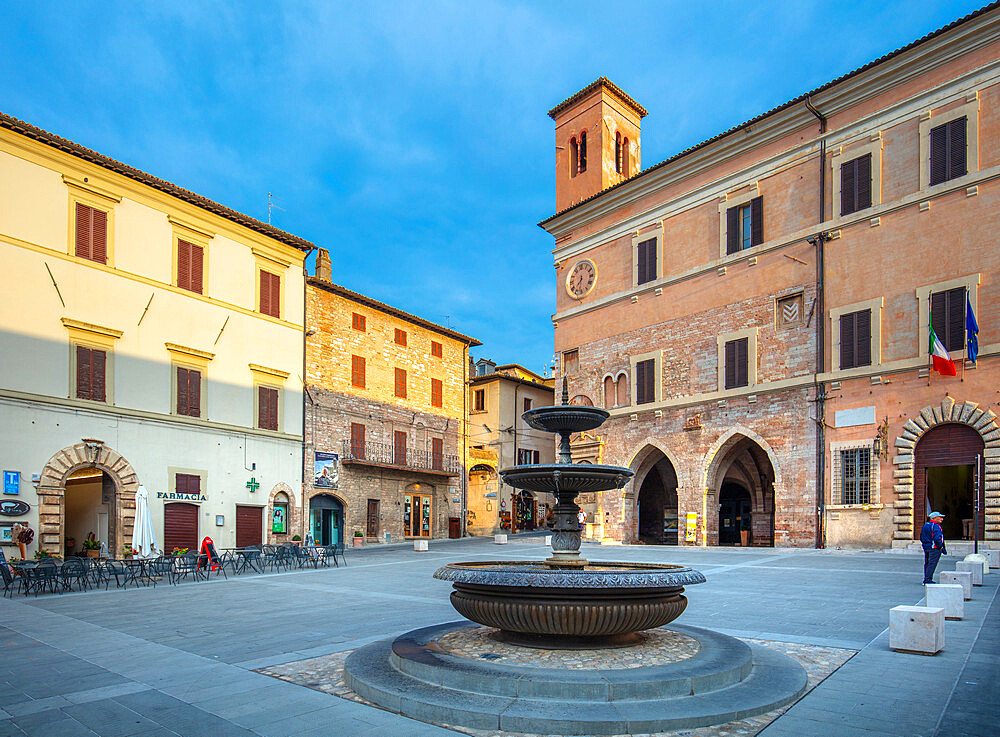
[716, 454]
[982, 421]
[88, 453]
[647, 505]
[292, 523]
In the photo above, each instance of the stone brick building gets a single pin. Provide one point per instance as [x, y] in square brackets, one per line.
[385, 418]
[754, 310]
[499, 438]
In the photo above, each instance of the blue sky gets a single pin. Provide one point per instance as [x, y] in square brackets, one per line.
[411, 138]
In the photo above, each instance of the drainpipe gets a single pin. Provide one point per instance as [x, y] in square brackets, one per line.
[305, 329]
[819, 387]
[513, 503]
[463, 531]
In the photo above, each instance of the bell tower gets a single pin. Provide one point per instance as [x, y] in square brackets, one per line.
[597, 141]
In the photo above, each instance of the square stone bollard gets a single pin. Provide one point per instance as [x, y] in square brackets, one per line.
[963, 578]
[548, 540]
[992, 557]
[500, 539]
[420, 546]
[974, 567]
[948, 596]
[916, 629]
[978, 558]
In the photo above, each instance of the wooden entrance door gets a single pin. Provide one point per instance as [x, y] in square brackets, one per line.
[372, 518]
[947, 445]
[249, 526]
[180, 526]
[417, 515]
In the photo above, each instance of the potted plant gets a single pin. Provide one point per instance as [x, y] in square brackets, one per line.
[42, 554]
[92, 546]
[296, 539]
[179, 551]
[359, 538]
[128, 552]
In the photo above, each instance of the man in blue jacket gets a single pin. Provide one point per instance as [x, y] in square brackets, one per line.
[932, 541]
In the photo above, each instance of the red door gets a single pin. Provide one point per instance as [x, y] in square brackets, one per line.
[249, 526]
[180, 526]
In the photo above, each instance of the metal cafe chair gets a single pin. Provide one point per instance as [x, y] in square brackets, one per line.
[10, 580]
[272, 557]
[338, 550]
[161, 567]
[251, 558]
[187, 565]
[74, 570]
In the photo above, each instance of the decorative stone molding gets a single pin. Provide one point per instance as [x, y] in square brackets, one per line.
[966, 413]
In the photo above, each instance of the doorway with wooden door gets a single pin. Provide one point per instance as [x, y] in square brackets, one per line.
[373, 518]
[943, 479]
[249, 526]
[417, 515]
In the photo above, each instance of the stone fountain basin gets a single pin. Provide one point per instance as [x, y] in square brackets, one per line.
[607, 603]
[566, 477]
[565, 418]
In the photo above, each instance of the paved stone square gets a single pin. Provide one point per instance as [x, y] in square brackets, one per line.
[182, 660]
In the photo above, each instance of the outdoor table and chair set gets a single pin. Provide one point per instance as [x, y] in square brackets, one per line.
[50, 575]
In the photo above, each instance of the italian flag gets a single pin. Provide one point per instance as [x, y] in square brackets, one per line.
[942, 361]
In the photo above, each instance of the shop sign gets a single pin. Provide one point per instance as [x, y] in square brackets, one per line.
[175, 496]
[11, 482]
[13, 508]
[691, 527]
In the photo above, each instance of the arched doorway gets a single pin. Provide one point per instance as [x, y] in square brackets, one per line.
[326, 520]
[656, 479]
[91, 509]
[741, 472]
[945, 460]
[525, 511]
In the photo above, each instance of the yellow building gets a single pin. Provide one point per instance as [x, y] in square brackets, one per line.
[150, 337]
[385, 418]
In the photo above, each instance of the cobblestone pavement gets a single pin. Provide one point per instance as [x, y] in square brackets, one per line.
[182, 660]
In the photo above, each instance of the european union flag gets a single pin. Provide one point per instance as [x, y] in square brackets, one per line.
[971, 330]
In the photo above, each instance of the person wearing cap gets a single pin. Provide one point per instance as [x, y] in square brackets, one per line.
[932, 541]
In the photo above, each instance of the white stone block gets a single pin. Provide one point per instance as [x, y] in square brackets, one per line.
[548, 540]
[974, 567]
[979, 558]
[992, 558]
[948, 596]
[918, 629]
[500, 539]
[962, 578]
[420, 546]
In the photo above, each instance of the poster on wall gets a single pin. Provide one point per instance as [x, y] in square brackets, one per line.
[278, 519]
[691, 527]
[326, 469]
[7, 533]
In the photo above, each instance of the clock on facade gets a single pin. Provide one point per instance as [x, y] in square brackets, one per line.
[581, 279]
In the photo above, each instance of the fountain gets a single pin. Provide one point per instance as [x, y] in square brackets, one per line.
[568, 646]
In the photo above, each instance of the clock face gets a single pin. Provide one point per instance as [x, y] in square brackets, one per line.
[581, 279]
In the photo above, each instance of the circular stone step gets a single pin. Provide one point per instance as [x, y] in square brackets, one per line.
[726, 679]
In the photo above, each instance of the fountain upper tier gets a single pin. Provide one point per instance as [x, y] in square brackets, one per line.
[566, 478]
[565, 418]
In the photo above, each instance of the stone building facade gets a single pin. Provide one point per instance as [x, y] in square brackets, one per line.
[754, 311]
[385, 419]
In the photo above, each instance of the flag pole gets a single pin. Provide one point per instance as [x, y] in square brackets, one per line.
[930, 348]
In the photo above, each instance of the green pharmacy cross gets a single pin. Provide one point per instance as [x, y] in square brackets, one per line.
[252, 484]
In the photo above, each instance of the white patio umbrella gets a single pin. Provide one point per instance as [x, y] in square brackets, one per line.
[143, 538]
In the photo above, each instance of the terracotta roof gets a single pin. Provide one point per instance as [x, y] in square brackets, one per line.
[382, 306]
[794, 101]
[508, 377]
[75, 149]
[601, 82]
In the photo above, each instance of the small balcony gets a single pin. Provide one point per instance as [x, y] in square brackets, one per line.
[387, 455]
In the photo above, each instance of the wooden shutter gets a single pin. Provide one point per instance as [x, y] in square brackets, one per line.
[730, 372]
[645, 381]
[99, 236]
[270, 294]
[83, 230]
[358, 371]
[863, 338]
[188, 392]
[736, 370]
[357, 440]
[957, 148]
[182, 390]
[399, 447]
[733, 230]
[265, 294]
[249, 526]
[939, 154]
[848, 358]
[848, 187]
[358, 321]
[437, 390]
[400, 337]
[180, 526]
[83, 372]
[436, 349]
[437, 454]
[97, 377]
[400, 388]
[197, 269]
[646, 266]
[183, 264]
[956, 319]
[863, 178]
[756, 221]
[267, 408]
[939, 317]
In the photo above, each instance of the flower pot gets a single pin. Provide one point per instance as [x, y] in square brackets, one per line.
[359, 542]
[128, 557]
[745, 538]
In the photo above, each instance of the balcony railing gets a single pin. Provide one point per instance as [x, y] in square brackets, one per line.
[393, 456]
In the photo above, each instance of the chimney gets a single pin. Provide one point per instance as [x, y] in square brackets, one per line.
[324, 270]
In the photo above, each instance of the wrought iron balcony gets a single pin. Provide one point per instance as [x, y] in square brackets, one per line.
[387, 455]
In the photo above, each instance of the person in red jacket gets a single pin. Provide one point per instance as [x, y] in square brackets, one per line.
[932, 541]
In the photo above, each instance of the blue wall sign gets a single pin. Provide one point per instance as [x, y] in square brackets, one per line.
[11, 482]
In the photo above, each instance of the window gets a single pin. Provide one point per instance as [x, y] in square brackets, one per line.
[527, 404]
[736, 363]
[357, 440]
[856, 185]
[618, 152]
[91, 233]
[479, 400]
[358, 372]
[436, 349]
[188, 391]
[400, 337]
[574, 157]
[626, 164]
[622, 390]
[190, 266]
[437, 454]
[745, 225]
[948, 318]
[437, 389]
[855, 476]
[399, 447]
[91, 371]
[645, 381]
[279, 514]
[646, 266]
[187, 483]
[358, 322]
[270, 294]
[267, 408]
[583, 151]
[609, 392]
[400, 389]
[856, 339]
[526, 457]
[571, 362]
[948, 150]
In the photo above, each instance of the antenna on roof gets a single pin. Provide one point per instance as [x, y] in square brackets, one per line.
[272, 206]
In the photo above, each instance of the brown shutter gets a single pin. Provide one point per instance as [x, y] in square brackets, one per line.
[863, 338]
[357, 440]
[183, 264]
[83, 358]
[180, 526]
[730, 372]
[863, 197]
[939, 154]
[848, 357]
[97, 376]
[194, 393]
[848, 183]
[265, 294]
[651, 260]
[273, 408]
[742, 363]
[956, 319]
[182, 391]
[249, 526]
[939, 317]
[957, 148]
[276, 295]
[399, 448]
[263, 406]
[400, 388]
[83, 231]
[99, 236]
[756, 221]
[437, 454]
[197, 269]
[733, 230]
